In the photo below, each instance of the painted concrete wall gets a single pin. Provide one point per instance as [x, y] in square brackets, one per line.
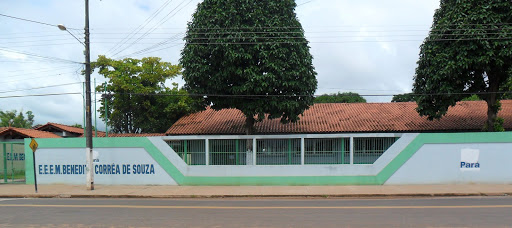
[112, 166]
[413, 159]
[447, 164]
[116, 162]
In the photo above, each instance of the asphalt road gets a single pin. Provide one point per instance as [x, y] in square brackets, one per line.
[401, 212]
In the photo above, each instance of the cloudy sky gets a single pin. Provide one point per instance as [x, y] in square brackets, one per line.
[369, 47]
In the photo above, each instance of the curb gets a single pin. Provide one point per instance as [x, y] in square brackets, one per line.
[420, 195]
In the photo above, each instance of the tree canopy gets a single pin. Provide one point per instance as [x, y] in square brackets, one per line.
[406, 97]
[468, 51]
[77, 125]
[137, 100]
[249, 55]
[346, 97]
[17, 119]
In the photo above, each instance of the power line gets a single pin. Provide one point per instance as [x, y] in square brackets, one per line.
[23, 19]
[167, 40]
[46, 76]
[39, 71]
[299, 33]
[28, 20]
[33, 41]
[144, 51]
[330, 37]
[25, 37]
[295, 27]
[320, 26]
[300, 95]
[334, 42]
[162, 21]
[305, 3]
[219, 31]
[39, 56]
[39, 95]
[140, 27]
[31, 32]
[147, 50]
[145, 33]
[323, 27]
[41, 45]
[255, 96]
[76, 38]
[41, 87]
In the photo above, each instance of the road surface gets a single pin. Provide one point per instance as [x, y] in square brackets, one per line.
[254, 212]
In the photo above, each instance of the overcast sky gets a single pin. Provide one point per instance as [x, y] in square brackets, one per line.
[369, 47]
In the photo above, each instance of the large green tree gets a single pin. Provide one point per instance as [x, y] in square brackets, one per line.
[249, 55]
[468, 51]
[136, 98]
[346, 97]
[508, 89]
[406, 97]
[14, 118]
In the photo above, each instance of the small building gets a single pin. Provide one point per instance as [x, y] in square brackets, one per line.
[399, 117]
[330, 133]
[62, 130]
[13, 134]
[12, 151]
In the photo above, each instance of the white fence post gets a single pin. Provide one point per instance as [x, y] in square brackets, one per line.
[254, 151]
[207, 151]
[351, 150]
[302, 150]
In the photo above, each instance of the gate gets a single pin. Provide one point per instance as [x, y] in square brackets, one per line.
[12, 162]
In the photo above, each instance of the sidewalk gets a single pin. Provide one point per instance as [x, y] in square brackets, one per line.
[103, 191]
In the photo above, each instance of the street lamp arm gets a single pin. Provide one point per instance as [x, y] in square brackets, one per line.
[63, 28]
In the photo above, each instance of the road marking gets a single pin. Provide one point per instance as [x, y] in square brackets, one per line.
[10, 199]
[256, 208]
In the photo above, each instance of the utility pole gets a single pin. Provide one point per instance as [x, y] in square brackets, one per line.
[88, 118]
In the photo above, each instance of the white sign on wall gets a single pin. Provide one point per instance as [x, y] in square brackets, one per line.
[112, 166]
[469, 160]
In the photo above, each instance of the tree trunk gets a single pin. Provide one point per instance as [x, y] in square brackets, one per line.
[249, 130]
[249, 125]
[493, 105]
[492, 113]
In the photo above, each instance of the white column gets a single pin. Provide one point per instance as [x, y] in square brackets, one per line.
[207, 151]
[351, 150]
[302, 150]
[254, 151]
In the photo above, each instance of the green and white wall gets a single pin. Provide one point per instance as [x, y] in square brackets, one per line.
[451, 158]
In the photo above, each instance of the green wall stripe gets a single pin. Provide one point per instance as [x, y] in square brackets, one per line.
[29, 166]
[379, 179]
[281, 181]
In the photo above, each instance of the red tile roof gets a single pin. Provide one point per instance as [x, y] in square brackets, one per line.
[27, 133]
[135, 135]
[61, 127]
[346, 118]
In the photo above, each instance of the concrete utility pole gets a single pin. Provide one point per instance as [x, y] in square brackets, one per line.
[88, 118]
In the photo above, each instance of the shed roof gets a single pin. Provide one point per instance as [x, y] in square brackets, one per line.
[346, 118]
[134, 135]
[26, 133]
[61, 127]
[51, 126]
